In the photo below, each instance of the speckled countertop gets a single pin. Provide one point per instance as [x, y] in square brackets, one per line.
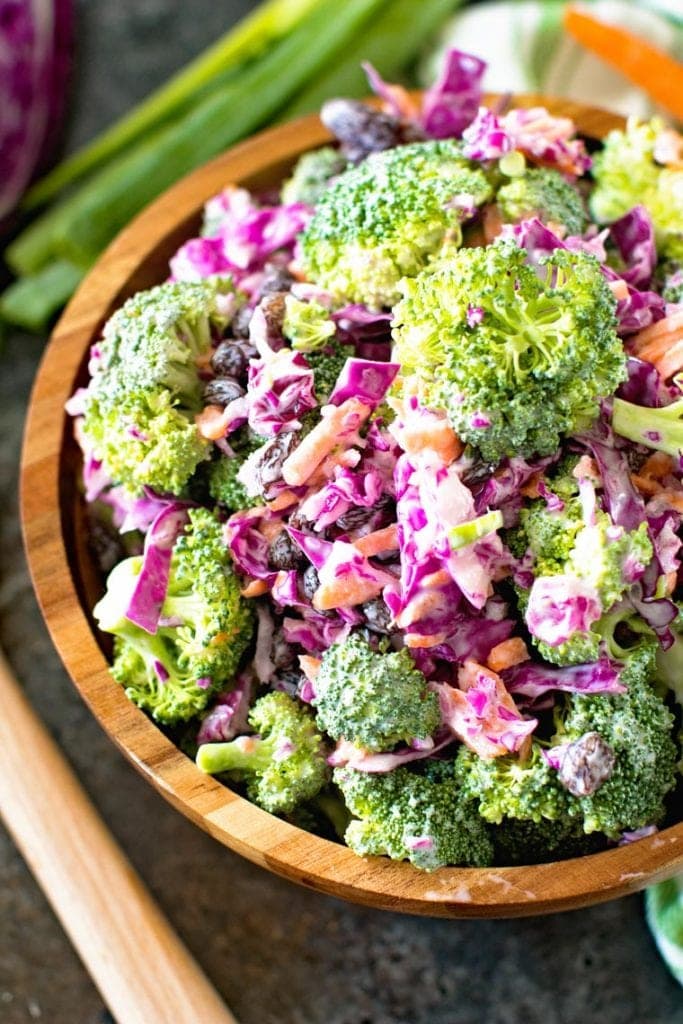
[279, 954]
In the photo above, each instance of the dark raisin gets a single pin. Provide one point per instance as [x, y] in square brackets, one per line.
[273, 306]
[360, 129]
[478, 473]
[268, 469]
[231, 359]
[222, 391]
[377, 616]
[360, 515]
[240, 322]
[288, 682]
[282, 655]
[298, 521]
[275, 279]
[587, 763]
[310, 581]
[283, 553]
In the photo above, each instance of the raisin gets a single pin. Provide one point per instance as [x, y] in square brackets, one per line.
[222, 391]
[377, 616]
[268, 468]
[587, 763]
[310, 581]
[241, 321]
[360, 129]
[283, 553]
[360, 515]
[282, 654]
[273, 306]
[104, 543]
[275, 279]
[231, 359]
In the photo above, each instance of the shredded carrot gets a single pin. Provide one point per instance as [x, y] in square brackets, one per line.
[282, 501]
[254, 588]
[658, 465]
[619, 289]
[211, 422]
[647, 485]
[674, 499]
[310, 666]
[671, 581]
[530, 488]
[669, 325]
[507, 653]
[378, 541]
[660, 75]
[670, 361]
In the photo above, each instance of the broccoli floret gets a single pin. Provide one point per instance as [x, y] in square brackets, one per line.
[601, 554]
[626, 173]
[146, 389]
[531, 842]
[311, 175]
[515, 360]
[327, 363]
[421, 817]
[224, 487]
[173, 673]
[637, 727]
[546, 194]
[383, 219]
[283, 765]
[661, 428]
[307, 325]
[670, 276]
[511, 787]
[373, 699]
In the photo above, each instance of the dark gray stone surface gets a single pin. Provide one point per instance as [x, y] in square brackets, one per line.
[280, 955]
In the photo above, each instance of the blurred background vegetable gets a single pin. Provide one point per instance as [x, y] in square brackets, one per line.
[278, 62]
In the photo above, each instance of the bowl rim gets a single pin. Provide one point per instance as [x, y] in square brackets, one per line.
[268, 841]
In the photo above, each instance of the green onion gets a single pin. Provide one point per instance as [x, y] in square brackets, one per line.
[466, 533]
[32, 301]
[253, 34]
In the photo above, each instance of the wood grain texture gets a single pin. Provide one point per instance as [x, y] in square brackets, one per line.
[137, 259]
[143, 971]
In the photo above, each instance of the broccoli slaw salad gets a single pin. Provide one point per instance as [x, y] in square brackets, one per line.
[387, 480]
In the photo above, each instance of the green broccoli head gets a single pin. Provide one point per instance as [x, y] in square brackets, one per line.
[311, 175]
[146, 441]
[530, 842]
[627, 173]
[602, 555]
[307, 325]
[382, 220]
[173, 672]
[512, 787]
[637, 727]
[224, 487]
[373, 699]
[283, 765]
[327, 363]
[546, 194]
[421, 816]
[515, 360]
[146, 387]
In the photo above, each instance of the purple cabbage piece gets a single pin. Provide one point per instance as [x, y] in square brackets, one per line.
[452, 102]
[395, 98]
[280, 390]
[380, 763]
[364, 379]
[265, 630]
[228, 715]
[560, 606]
[634, 236]
[636, 834]
[199, 258]
[35, 60]
[485, 138]
[643, 385]
[348, 489]
[532, 680]
[315, 631]
[502, 491]
[317, 551]
[247, 545]
[622, 500]
[149, 593]
[546, 139]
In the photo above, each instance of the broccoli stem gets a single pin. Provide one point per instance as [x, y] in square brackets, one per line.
[246, 753]
[661, 429]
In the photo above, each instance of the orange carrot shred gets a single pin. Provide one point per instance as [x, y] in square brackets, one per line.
[507, 653]
[660, 75]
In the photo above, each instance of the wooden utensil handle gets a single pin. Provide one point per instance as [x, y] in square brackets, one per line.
[142, 969]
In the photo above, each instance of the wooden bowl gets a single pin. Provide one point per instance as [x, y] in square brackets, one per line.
[67, 582]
